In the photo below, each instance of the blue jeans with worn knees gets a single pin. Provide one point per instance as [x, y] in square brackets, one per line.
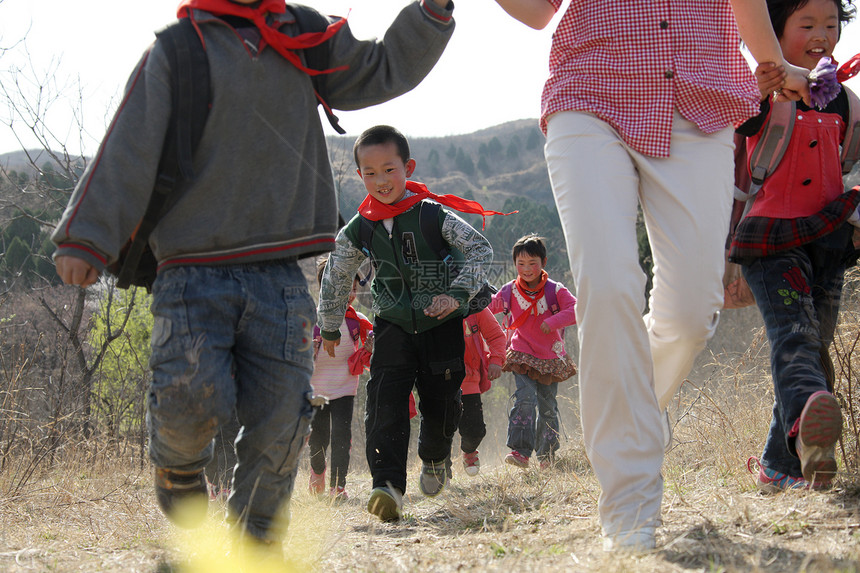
[798, 293]
[234, 336]
[527, 432]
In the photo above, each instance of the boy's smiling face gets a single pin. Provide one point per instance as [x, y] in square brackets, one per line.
[810, 33]
[384, 172]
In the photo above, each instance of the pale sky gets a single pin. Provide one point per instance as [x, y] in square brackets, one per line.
[492, 71]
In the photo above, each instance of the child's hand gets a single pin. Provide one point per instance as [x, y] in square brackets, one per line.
[770, 78]
[368, 344]
[494, 371]
[329, 345]
[544, 327]
[442, 306]
[75, 271]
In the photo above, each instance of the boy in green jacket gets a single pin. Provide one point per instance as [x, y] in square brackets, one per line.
[419, 301]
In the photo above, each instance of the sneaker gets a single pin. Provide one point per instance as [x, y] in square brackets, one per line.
[545, 462]
[182, 496]
[639, 541]
[772, 481]
[433, 478]
[449, 470]
[517, 459]
[338, 493]
[385, 503]
[471, 463]
[317, 483]
[817, 430]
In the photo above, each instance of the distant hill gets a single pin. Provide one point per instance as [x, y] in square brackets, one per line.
[489, 165]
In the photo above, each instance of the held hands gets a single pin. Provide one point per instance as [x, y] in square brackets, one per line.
[75, 271]
[494, 371]
[770, 78]
[785, 82]
[442, 306]
[368, 344]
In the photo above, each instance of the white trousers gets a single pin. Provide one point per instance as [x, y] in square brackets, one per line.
[630, 366]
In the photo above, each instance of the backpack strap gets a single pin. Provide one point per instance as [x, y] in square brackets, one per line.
[189, 67]
[316, 58]
[770, 148]
[507, 291]
[549, 293]
[472, 322]
[366, 228]
[354, 328]
[851, 143]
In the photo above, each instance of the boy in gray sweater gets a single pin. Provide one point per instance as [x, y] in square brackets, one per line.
[233, 318]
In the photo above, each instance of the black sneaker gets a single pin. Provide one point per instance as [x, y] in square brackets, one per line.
[182, 496]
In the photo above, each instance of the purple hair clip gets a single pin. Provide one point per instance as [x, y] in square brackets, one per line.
[823, 86]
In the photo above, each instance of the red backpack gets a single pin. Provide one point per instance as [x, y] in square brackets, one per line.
[764, 159]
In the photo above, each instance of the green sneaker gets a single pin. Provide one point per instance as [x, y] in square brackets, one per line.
[433, 478]
[385, 503]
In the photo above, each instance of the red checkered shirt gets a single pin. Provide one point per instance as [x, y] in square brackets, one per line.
[633, 62]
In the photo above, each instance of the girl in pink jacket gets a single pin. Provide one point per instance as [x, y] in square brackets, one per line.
[485, 354]
[537, 310]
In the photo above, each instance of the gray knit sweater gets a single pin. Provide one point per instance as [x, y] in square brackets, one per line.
[263, 188]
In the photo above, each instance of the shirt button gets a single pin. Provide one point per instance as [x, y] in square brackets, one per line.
[669, 74]
[807, 181]
[813, 143]
[664, 24]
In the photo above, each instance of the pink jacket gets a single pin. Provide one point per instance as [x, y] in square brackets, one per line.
[529, 338]
[491, 339]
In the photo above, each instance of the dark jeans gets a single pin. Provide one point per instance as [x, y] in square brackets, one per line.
[234, 341]
[798, 293]
[430, 361]
[472, 427]
[527, 432]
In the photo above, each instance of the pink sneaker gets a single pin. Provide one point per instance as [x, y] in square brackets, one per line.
[338, 493]
[517, 459]
[817, 431]
[471, 463]
[317, 483]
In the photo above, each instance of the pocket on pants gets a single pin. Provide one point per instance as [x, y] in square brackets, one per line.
[300, 319]
[448, 370]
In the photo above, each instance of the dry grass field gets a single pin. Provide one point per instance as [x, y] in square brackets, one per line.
[95, 511]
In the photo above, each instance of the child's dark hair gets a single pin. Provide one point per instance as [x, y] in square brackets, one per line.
[380, 135]
[780, 10]
[531, 245]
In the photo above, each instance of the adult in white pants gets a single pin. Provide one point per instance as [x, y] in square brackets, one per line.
[599, 181]
[638, 109]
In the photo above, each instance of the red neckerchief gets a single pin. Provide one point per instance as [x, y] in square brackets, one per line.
[364, 325]
[849, 69]
[283, 44]
[376, 210]
[524, 291]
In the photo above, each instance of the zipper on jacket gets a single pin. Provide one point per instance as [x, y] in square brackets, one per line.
[400, 270]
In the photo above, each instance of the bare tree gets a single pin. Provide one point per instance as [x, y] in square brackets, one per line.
[47, 365]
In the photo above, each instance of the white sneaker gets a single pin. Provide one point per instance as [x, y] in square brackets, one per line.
[638, 541]
[471, 463]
